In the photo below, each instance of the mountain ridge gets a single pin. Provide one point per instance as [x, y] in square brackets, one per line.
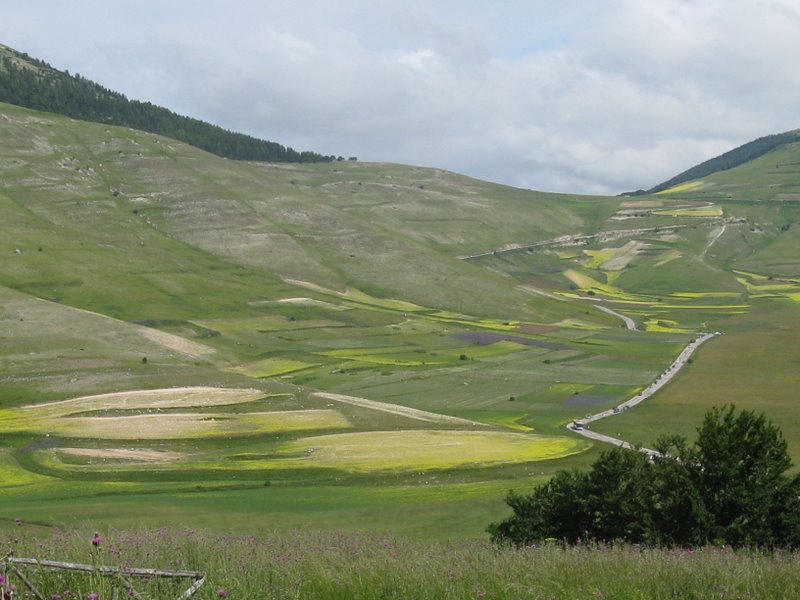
[33, 83]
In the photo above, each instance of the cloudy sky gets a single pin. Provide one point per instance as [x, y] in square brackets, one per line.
[590, 96]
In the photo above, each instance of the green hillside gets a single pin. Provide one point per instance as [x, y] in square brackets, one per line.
[745, 153]
[313, 343]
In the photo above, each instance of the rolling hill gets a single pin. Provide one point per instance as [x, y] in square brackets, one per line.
[316, 342]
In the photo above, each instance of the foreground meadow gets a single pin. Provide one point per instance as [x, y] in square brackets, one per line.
[361, 566]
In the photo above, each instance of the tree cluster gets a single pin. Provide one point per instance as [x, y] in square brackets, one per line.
[729, 488]
[35, 84]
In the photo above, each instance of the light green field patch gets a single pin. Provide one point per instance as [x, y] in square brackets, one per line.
[764, 286]
[668, 257]
[68, 418]
[682, 187]
[758, 288]
[271, 367]
[302, 301]
[390, 303]
[507, 420]
[641, 204]
[180, 397]
[490, 324]
[418, 450]
[263, 324]
[725, 307]
[566, 389]
[704, 211]
[589, 284]
[749, 275]
[14, 476]
[568, 254]
[597, 257]
[706, 294]
[614, 259]
[360, 297]
[664, 326]
[580, 324]
[486, 350]
[368, 351]
[121, 455]
[287, 420]
[383, 356]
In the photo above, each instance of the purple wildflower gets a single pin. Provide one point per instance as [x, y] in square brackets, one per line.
[55, 596]
[96, 540]
[92, 596]
[18, 522]
[221, 593]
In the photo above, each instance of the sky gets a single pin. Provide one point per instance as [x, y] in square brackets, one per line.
[575, 96]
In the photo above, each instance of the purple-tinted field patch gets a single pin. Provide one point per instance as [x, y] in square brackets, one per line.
[490, 337]
[579, 399]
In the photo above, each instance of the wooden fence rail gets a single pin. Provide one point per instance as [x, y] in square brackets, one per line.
[123, 574]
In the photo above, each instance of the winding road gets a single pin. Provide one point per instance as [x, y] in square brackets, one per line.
[579, 426]
[629, 323]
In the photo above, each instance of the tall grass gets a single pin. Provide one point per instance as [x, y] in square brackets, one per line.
[332, 566]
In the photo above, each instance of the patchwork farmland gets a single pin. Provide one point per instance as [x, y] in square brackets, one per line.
[342, 345]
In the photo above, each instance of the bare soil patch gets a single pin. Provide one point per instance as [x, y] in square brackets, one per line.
[182, 397]
[175, 342]
[125, 454]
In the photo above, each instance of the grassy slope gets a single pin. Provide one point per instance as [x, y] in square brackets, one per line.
[155, 206]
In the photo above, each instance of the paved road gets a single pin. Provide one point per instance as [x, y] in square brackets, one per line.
[629, 323]
[579, 425]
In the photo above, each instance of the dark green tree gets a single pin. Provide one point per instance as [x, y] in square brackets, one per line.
[679, 515]
[554, 510]
[739, 467]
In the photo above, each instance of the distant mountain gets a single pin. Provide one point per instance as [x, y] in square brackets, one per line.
[33, 83]
[728, 160]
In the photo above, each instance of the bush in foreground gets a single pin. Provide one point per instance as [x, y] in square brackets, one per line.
[730, 488]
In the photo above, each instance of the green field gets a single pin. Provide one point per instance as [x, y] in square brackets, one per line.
[353, 346]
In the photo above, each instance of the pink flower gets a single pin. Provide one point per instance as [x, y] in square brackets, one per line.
[2, 579]
[96, 540]
[92, 596]
[222, 593]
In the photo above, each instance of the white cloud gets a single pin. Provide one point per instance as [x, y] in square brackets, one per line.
[600, 97]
